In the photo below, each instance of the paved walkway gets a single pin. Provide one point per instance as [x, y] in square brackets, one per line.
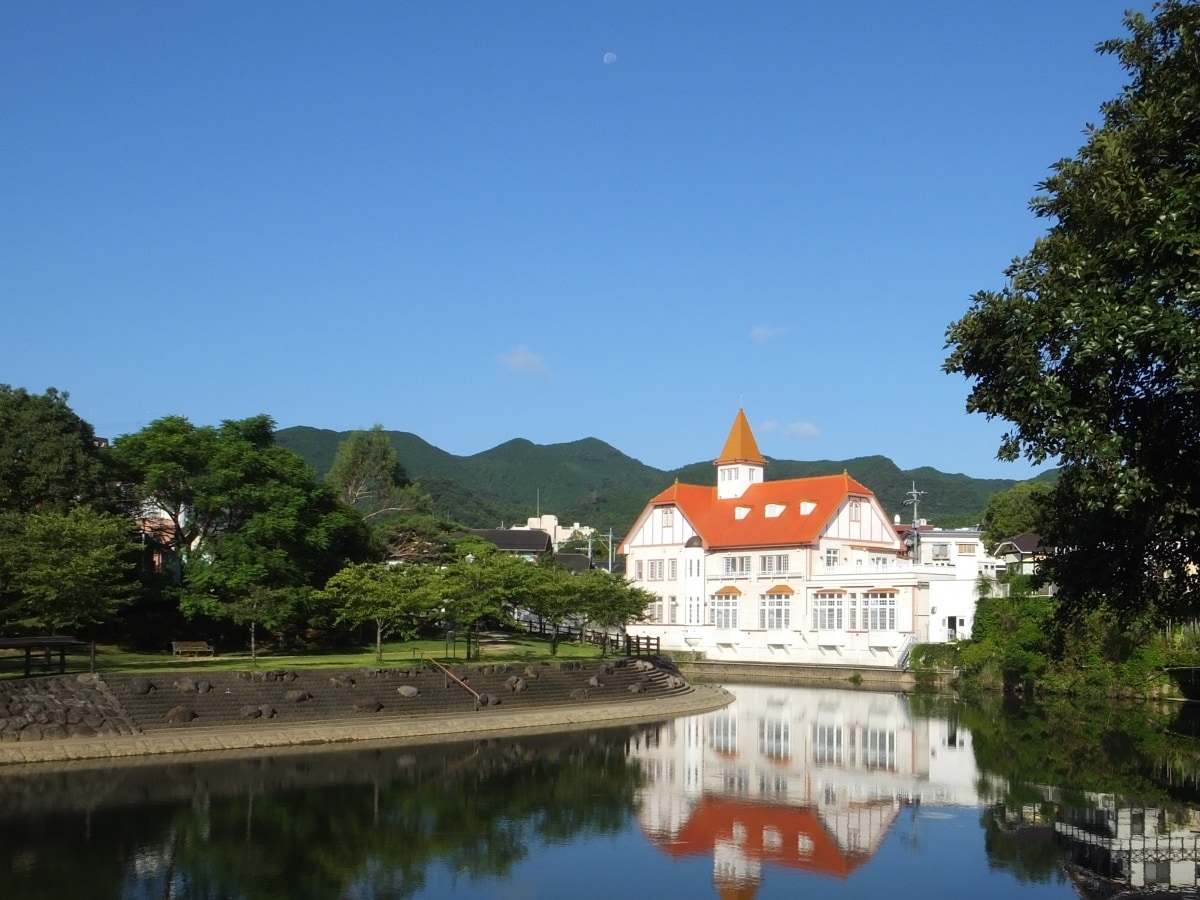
[426, 729]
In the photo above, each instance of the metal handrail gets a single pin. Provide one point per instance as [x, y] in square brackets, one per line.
[445, 671]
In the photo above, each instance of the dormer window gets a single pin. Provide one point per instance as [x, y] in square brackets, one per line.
[774, 510]
[741, 512]
[806, 507]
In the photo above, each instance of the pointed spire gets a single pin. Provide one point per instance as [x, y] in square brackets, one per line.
[740, 446]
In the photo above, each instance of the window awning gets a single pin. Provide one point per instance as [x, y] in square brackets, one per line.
[728, 591]
[780, 589]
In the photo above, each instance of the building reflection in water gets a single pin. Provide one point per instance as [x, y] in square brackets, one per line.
[1130, 844]
[803, 778]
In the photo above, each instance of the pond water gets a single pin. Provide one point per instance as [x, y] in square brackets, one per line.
[787, 792]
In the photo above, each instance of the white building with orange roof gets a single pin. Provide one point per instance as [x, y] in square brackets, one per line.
[803, 570]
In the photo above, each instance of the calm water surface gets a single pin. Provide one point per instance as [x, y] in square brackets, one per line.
[789, 792]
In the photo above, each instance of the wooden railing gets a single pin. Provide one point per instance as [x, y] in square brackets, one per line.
[450, 676]
[631, 645]
[636, 645]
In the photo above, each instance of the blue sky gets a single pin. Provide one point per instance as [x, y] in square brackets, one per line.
[479, 221]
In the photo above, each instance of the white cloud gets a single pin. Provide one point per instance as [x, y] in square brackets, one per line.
[764, 333]
[525, 362]
[802, 430]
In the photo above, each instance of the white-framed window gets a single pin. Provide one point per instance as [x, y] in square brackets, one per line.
[672, 610]
[723, 733]
[881, 561]
[656, 610]
[737, 566]
[827, 744]
[775, 738]
[828, 608]
[879, 749]
[775, 611]
[941, 551]
[725, 610]
[668, 516]
[831, 556]
[695, 611]
[637, 570]
[966, 549]
[855, 509]
[772, 784]
[672, 569]
[852, 612]
[880, 611]
[656, 570]
[773, 564]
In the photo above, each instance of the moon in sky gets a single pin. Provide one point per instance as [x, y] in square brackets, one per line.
[610, 58]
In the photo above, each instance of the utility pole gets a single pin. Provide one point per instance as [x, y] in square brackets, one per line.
[913, 538]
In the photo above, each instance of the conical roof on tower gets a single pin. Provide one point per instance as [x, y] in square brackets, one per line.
[740, 446]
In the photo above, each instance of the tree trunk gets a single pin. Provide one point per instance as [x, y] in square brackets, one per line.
[253, 644]
[378, 640]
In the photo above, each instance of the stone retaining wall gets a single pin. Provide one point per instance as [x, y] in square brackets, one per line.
[90, 706]
[849, 677]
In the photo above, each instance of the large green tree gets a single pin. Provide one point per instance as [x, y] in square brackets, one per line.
[1013, 512]
[252, 526]
[64, 570]
[388, 596]
[368, 476]
[49, 456]
[609, 600]
[166, 468]
[1092, 349]
[481, 585]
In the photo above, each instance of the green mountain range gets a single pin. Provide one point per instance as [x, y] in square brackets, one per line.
[593, 483]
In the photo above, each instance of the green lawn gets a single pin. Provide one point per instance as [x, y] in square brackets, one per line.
[492, 648]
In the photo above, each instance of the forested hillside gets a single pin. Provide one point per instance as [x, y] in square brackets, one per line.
[591, 482]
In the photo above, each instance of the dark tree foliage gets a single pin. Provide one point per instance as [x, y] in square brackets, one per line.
[48, 455]
[1092, 352]
[252, 527]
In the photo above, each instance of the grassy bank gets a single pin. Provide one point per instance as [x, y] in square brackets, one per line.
[494, 647]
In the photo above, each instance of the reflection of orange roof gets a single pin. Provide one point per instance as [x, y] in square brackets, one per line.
[773, 834]
[732, 889]
[718, 525]
[740, 446]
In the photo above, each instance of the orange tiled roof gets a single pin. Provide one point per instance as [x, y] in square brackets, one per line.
[740, 446]
[712, 822]
[718, 525]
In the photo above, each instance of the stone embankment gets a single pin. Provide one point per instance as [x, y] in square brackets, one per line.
[92, 716]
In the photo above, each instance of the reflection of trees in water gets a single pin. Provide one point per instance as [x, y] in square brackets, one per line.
[369, 823]
[1070, 766]
[1076, 746]
[1029, 852]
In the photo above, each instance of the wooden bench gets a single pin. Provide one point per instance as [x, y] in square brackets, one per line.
[192, 648]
